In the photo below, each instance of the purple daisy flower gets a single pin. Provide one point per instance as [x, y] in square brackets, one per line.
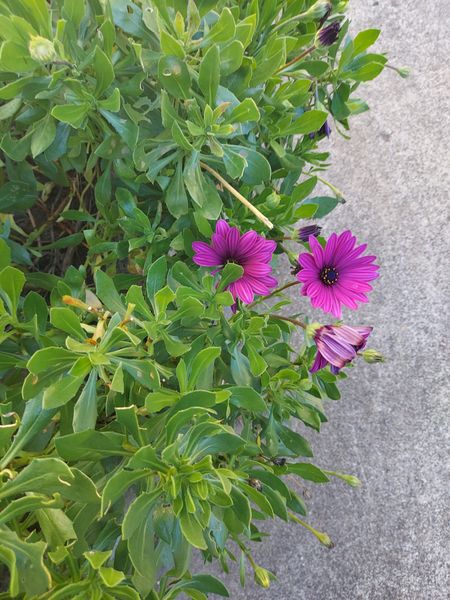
[250, 250]
[337, 274]
[337, 345]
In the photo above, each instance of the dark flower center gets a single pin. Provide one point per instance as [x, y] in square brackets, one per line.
[329, 275]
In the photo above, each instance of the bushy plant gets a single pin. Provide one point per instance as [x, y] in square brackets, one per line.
[157, 156]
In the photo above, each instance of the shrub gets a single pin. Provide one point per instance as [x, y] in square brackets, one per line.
[156, 156]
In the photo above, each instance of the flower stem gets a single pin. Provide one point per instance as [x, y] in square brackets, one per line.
[290, 319]
[322, 537]
[238, 195]
[277, 291]
[339, 195]
[296, 59]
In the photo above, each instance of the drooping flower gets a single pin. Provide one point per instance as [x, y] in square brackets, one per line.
[337, 274]
[337, 345]
[307, 230]
[250, 250]
[328, 34]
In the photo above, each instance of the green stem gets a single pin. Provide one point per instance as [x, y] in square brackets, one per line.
[322, 537]
[274, 293]
[339, 195]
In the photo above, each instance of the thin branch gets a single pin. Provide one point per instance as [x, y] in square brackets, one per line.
[296, 59]
[290, 320]
[238, 195]
[274, 293]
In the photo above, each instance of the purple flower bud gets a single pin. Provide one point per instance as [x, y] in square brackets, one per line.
[328, 35]
[324, 130]
[338, 345]
[305, 232]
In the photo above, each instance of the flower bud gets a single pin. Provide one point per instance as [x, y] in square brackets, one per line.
[41, 49]
[305, 232]
[327, 35]
[350, 479]
[404, 72]
[372, 356]
[319, 10]
[262, 577]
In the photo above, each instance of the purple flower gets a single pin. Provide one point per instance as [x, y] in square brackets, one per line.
[328, 35]
[337, 274]
[338, 345]
[324, 130]
[250, 250]
[305, 232]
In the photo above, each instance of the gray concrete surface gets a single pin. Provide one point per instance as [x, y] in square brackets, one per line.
[390, 427]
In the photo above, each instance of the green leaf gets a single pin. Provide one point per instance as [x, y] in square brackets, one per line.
[258, 167]
[74, 114]
[60, 392]
[11, 284]
[174, 76]
[156, 277]
[104, 71]
[43, 135]
[42, 475]
[51, 359]
[223, 29]
[247, 398]
[294, 441]
[209, 74]
[10, 108]
[230, 273]
[5, 254]
[111, 577]
[85, 410]
[192, 530]
[107, 292]
[66, 320]
[324, 204]
[201, 362]
[364, 40]
[308, 122]
[235, 164]
[127, 130]
[117, 485]
[307, 471]
[247, 110]
[96, 558]
[28, 563]
[17, 196]
[90, 445]
[169, 45]
[231, 57]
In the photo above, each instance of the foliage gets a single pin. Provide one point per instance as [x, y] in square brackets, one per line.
[140, 417]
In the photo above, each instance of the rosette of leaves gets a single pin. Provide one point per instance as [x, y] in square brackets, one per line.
[139, 423]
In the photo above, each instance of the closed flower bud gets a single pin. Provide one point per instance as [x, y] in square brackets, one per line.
[41, 49]
[319, 10]
[305, 232]
[351, 480]
[404, 72]
[262, 577]
[328, 35]
[372, 356]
